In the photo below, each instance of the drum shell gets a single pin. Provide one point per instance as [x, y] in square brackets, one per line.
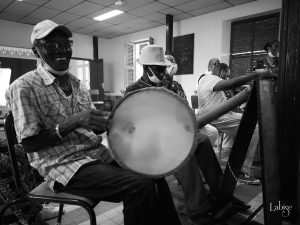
[188, 128]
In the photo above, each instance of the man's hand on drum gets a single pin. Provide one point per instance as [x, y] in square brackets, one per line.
[92, 119]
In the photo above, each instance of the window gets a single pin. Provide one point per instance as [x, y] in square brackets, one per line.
[5, 74]
[248, 38]
[133, 69]
[81, 69]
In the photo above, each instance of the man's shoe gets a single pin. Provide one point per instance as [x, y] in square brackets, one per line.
[49, 212]
[239, 205]
[244, 178]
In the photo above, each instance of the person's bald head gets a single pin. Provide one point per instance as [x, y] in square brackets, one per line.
[212, 63]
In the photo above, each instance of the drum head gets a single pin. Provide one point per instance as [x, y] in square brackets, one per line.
[152, 132]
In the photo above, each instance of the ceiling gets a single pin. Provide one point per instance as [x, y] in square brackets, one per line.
[139, 14]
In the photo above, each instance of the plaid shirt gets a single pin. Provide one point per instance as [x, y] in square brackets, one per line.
[37, 103]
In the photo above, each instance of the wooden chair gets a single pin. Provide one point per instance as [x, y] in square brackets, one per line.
[41, 193]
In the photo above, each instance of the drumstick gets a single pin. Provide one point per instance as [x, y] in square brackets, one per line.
[222, 109]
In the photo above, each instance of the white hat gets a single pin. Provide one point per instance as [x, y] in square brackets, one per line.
[153, 55]
[42, 29]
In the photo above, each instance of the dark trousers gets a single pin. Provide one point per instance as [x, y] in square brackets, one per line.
[146, 201]
[191, 179]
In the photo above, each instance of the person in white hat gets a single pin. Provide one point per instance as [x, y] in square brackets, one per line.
[158, 71]
[58, 126]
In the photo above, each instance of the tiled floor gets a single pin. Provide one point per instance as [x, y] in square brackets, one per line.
[111, 213]
[106, 214]
[111, 217]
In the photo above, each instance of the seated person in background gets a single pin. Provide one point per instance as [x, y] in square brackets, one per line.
[212, 63]
[211, 93]
[271, 59]
[227, 140]
[195, 194]
[209, 130]
[57, 125]
[26, 213]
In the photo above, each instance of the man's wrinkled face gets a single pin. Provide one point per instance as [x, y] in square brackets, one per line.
[55, 50]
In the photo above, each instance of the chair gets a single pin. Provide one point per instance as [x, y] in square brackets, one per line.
[194, 102]
[95, 98]
[41, 193]
[220, 143]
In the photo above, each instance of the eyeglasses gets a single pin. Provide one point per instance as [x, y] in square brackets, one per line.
[159, 69]
[54, 45]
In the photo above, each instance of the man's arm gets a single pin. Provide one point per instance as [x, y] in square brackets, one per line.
[89, 119]
[223, 85]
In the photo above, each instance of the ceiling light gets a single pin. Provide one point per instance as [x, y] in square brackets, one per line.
[108, 15]
[119, 2]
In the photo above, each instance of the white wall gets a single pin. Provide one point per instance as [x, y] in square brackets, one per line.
[18, 35]
[212, 39]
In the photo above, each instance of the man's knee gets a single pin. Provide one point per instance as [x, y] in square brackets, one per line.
[143, 183]
[203, 139]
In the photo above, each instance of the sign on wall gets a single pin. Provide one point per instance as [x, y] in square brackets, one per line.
[184, 53]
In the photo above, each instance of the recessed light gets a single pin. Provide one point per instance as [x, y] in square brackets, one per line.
[119, 2]
[108, 15]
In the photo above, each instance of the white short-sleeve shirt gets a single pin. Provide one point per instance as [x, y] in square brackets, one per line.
[207, 98]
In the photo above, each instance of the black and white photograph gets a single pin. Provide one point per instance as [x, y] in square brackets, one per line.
[149, 112]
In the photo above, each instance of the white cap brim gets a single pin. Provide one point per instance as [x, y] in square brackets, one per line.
[40, 32]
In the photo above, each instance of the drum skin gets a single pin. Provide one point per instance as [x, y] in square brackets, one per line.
[152, 132]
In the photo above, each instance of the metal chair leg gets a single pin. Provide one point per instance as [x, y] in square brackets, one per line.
[92, 215]
[60, 213]
[220, 143]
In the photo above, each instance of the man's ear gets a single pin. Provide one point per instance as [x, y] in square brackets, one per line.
[35, 52]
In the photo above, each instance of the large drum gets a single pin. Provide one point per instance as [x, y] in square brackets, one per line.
[152, 132]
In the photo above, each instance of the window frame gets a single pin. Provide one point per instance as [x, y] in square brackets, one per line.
[131, 66]
[252, 53]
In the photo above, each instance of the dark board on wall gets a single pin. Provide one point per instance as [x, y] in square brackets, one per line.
[184, 53]
[96, 78]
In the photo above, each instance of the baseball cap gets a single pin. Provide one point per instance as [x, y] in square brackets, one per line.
[45, 27]
[153, 55]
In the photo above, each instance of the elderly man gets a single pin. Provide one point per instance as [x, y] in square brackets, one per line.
[211, 93]
[57, 125]
[197, 202]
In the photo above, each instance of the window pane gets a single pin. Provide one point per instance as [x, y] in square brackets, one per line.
[80, 73]
[248, 38]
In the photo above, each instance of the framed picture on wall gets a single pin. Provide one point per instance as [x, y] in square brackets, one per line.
[184, 53]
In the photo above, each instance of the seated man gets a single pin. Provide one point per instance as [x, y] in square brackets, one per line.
[212, 63]
[211, 93]
[57, 125]
[197, 201]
